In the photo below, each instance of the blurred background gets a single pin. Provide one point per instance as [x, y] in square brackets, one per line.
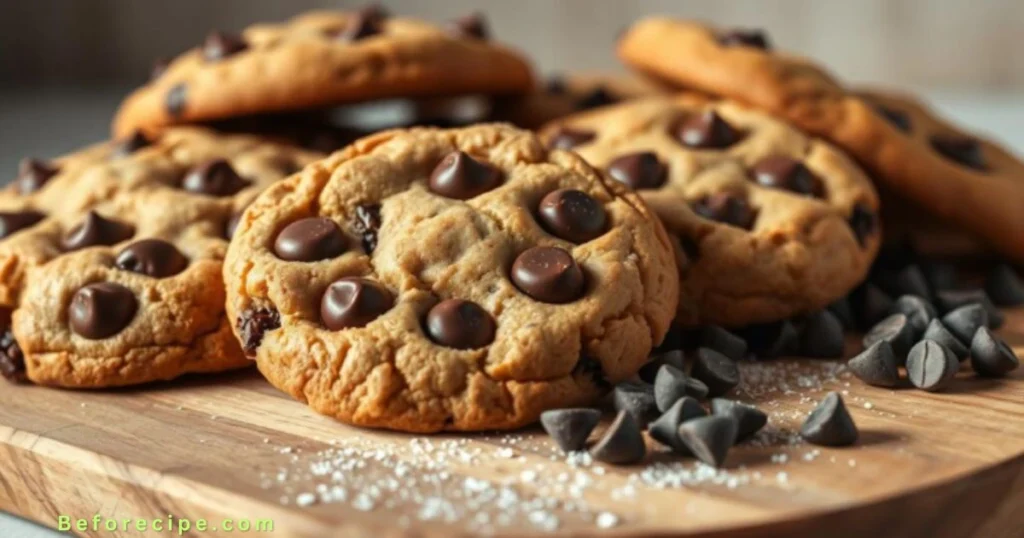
[64, 64]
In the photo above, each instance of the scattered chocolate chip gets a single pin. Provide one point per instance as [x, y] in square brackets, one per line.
[253, 324]
[963, 322]
[953, 299]
[641, 170]
[876, 365]
[11, 222]
[898, 118]
[353, 302]
[598, 97]
[220, 45]
[842, 310]
[864, 223]
[821, 336]
[367, 224]
[991, 356]
[960, 149]
[1004, 286]
[709, 438]
[570, 428]
[723, 341]
[101, 310]
[727, 208]
[941, 276]
[665, 429]
[830, 424]
[744, 37]
[214, 178]
[636, 399]
[12, 360]
[671, 384]
[919, 313]
[310, 239]
[779, 172]
[938, 332]
[622, 443]
[770, 340]
[566, 138]
[151, 257]
[896, 330]
[548, 274]
[649, 371]
[591, 369]
[909, 280]
[930, 366]
[572, 215]
[176, 100]
[134, 142]
[870, 305]
[473, 26]
[717, 371]
[160, 66]
[460, 324]
[362, 24]
[96, 230]
[706, 130]
[749, 419]
[462, 177]
[33, 174]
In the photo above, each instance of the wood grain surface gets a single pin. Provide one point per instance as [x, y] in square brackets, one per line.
[944, 465]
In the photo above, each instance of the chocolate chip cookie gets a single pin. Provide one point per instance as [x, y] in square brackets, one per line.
[110, 269]
[956, 175]
[323, 59]
[767, 222]
[462, 279]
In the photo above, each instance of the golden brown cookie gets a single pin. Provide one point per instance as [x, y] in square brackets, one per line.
[463, 279]
[110, 270]
[956, 175]
[767, 222]
[323, 59]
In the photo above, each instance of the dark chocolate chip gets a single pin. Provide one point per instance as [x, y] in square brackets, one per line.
[941, 276]
[642, 170]
[717, 371]
[473, 26]
[96, 230]
[11, 222]
[896, 330]
[160, 66]
[572, 215]
[963, 322]
[177, 100]
[649, 371]
[635, 398]
[919, 312]
[991, 356]
[821, 336]
[214, 178]
[570, 428]
[727, 208]
[362, 24]
[749, 419]
[353, 302]
[830, 424]
[253, 324]
[706, 130]
[745, 37]
[770, 340]
[673, 339]
[367, 224]
[460, 324]
[1004, 286]
[556, 85]
[723, 341]
[220, 45]
[898, 118]
[911, 281]
[33, 174]
[310, 239]
[870, 305]
[864, 223]
[930, 366]
[960, 149]
[779, 172]
[665, 429]
[842, 310]
[134, 142]
[101, 310]
[672, 383]
[549, 275]
[590, 369]
[566, 138]
[622, 443]
[876, 365]
[953, 299]
[462, 177]
[709, 438]
[598, 97]
[938, 332]
[12, 360]
[151, 257]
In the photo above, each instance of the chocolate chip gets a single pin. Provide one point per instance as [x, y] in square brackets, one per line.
[135, 141]
[353, 302]
[598, 97]
[779, 172]
[842, 310]
[549, 275]
[919, 313]
[160, 66]
[717, 371]
[706, 130]
[460, 324]
[152, 257]
[556, 85]
[220, 45]
[896, 331]
[1003, 285]
[374, 11]
[963, 322]
[649, 371]
[33, 174]
[870, 305]
[864, 223]
[367, 224]
[566, 138]
[672, 383]
[830, 424]
[473, 26]
[749, 419]
[961, 149]
[770, 340]
[214, 178]
[821, 336]
[232, 224]
[361, 25]
[898, 118]
[953, 299]
[709, 438]
[462, 177]
[930, 366]
[641, 170]
[745, 37]
[876, 365]
[101, 310]
[622, 443]
[665, 429]
[938, 332]
[941, 276]
[572, 215]
[590, 369]
[909, 280]
[723, 341]
[176, 100]
[636, 399]
[727, 208]
[570, 428]
[96, 230]
[310, 239]
[11, 222]
[990, 356]
[12, 360]
[253, 324]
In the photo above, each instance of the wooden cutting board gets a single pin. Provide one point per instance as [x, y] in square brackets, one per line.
[928, 465]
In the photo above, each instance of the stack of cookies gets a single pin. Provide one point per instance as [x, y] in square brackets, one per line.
[426, 277]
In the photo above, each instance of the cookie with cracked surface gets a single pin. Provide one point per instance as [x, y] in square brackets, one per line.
[322, 59]
[129, 290]
[462, 279]
[958, 176]
[767, 222]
